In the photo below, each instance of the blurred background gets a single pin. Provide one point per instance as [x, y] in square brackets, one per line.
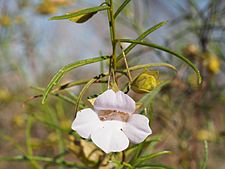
[32, 49]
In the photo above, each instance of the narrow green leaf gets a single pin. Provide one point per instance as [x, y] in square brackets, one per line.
[168, 51]
[137, 152]
[63, 97]
[74, 165]
[153, 139]
[12, 141]
[154, 166]
[150, 156]
[80, 12]
[49, 123]
[55, 80]
[70, 84]
[82, 93]
[28, 135]
[122, 6]
[127, 165]
[143, 66]
[18, 146]
[28, 142]
[54, 118]
[141, 37]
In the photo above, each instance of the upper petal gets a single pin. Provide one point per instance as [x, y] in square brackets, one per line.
[137, 128]
[85, 122]
[110, 100]
[109, 137]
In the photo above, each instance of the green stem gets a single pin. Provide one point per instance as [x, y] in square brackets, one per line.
[205, 160]
[113, 37]
[28, 136]
[44, 159]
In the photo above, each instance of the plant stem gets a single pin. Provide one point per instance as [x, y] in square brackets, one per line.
[113, 37]
[41, 158]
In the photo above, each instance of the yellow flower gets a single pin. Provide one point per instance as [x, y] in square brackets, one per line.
[5, 95]
[52, 137]
[145, 82]
[206, 135]
[212, 63]
[65, 123]
[5, 21]
[19, 120]
[47, 7]
[61, 2]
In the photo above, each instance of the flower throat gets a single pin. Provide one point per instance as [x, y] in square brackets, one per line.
[107, 115]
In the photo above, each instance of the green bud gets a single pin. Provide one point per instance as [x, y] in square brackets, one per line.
[82, 18]
[145, 82]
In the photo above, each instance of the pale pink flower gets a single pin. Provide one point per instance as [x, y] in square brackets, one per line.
[112, 122]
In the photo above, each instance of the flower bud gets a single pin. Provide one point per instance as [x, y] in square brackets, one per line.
[145, 82]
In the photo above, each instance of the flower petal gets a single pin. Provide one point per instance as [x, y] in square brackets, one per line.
[110, 100]
[137, 128]
[85, 122]
[109, 137]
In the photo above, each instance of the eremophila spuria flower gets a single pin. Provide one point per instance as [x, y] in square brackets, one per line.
[112, 122]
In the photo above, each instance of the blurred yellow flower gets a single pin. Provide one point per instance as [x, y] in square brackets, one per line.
[5, 95]
[61, 2]
[52, 137]
[51, 6]
[36, 142]
[46, 7]
[65, 123]
[5, 21]
[212, 63]
[206, 135]
[19, 120]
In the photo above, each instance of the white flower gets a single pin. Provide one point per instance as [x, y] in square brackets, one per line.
[112, 123]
